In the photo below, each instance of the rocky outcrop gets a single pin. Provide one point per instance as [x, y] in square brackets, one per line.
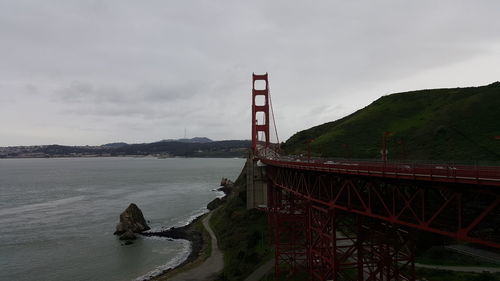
[227, 186]
[226, 182]
[131, 221]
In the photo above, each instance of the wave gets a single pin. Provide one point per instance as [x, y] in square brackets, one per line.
[174, 262]
[38, 206]
[193, 216]
[182, 221]
[200, 211]
[219, 194]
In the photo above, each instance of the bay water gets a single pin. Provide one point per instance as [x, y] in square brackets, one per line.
[58, 215]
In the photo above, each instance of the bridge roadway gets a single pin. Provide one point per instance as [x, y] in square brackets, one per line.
[432, 172]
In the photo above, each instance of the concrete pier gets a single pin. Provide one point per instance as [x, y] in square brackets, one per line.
[256, 183]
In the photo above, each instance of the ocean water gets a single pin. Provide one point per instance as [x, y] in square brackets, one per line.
[57, 216]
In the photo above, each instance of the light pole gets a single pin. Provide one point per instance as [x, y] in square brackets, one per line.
[384, 148]
[309, 150]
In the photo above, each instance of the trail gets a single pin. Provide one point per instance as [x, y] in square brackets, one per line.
[208, 270]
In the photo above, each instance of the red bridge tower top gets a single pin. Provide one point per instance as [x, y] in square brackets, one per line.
[260, 111]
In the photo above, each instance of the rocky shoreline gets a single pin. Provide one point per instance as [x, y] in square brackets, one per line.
[188, 232]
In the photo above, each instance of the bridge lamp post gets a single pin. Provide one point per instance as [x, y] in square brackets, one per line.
[309, 150]
[384, 148]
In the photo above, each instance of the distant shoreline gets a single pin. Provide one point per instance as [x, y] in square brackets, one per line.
[119, 156]
[160, 149]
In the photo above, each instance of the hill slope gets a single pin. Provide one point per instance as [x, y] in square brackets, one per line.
[441, 124]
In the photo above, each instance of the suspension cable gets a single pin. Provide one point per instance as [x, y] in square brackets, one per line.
[272, 113]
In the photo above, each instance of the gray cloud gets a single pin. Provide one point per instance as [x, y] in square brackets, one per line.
[99, 71]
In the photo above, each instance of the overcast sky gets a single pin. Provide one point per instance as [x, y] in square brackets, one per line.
[93, 72]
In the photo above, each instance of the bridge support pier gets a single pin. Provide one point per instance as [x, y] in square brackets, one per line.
[256, 183]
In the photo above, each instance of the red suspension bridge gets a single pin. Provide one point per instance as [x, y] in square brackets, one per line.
[358, 218]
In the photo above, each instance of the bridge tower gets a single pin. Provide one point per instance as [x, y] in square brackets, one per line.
[260, 111]
[256, 178]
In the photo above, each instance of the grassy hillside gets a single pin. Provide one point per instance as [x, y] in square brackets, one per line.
[442, 124]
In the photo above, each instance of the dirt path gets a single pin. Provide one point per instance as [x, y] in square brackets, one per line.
[210, 267]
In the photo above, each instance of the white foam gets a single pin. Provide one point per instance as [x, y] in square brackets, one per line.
[154, 229]
[194, 215]
[184, 254]
[161, 238]
[220, 194]
[181, 221]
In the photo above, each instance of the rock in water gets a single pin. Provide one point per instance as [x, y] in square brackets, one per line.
[128, 235]
[131, 221]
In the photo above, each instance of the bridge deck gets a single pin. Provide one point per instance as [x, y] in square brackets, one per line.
[477, 175]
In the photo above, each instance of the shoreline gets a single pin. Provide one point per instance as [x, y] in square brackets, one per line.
[189, 233]
[186, 232]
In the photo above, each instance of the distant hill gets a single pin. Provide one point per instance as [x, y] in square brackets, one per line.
[114, 144]
[200, 147]
[228, 148]
[191, 140]
[441, 124]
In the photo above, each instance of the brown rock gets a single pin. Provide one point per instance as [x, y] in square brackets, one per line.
[131, 220]
[223, 181]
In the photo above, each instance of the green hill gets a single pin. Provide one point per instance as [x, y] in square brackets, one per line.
[459, 124]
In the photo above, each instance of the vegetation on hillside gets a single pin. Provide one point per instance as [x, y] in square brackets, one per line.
[242, 234]
[460, 124]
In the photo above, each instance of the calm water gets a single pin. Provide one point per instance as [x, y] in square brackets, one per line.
[57, 216]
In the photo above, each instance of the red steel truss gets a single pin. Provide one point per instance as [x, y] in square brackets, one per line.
[288, 219]
[328, 242]
[464, 212]
[306, 209]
